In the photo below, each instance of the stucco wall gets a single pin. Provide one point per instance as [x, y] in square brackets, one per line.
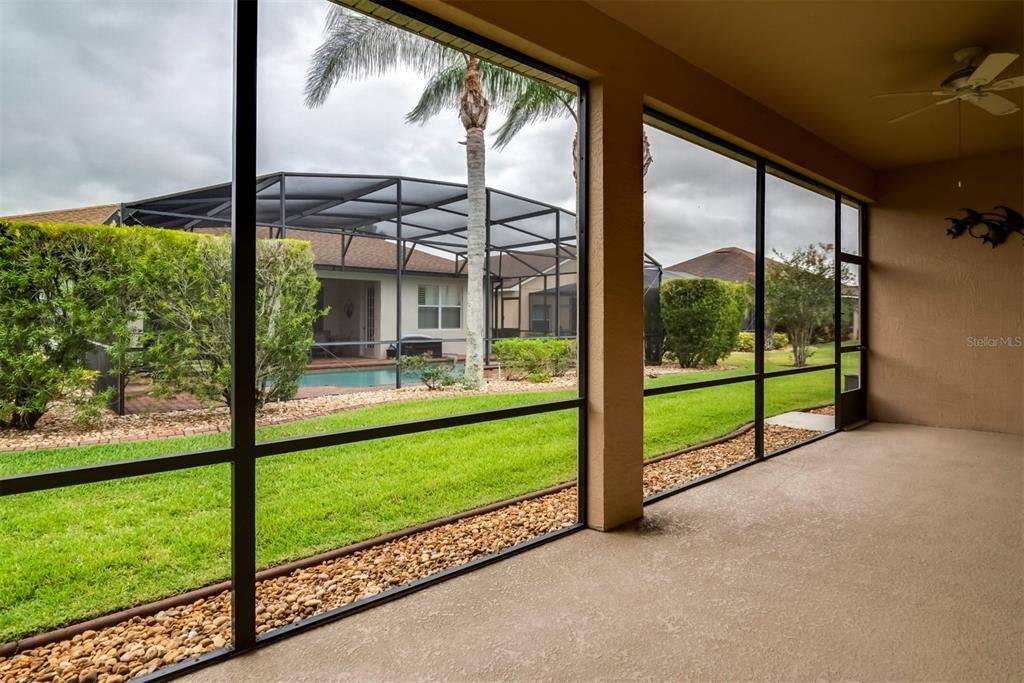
[941, 310]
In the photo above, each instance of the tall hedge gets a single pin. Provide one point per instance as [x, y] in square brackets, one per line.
[60, 287]
[161, 300]
[702, 318]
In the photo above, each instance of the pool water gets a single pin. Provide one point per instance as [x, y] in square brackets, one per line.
[359, 377]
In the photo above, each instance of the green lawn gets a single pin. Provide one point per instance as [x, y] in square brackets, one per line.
[74, 553]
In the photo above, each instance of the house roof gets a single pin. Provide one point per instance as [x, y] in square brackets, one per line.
[87, 215]
[728, 263]
[363, 252]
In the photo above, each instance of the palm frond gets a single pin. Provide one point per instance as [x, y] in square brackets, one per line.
[356, 46]
[535, 101]
[442, 91]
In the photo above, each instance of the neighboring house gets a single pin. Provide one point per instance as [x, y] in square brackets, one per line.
[537, 293]
[731, 264]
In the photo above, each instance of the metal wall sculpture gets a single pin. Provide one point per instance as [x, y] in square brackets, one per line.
[991, 227]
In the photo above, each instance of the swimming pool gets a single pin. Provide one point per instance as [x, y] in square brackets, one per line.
[355, 378]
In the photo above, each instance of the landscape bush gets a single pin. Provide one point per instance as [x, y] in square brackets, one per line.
[745, 342]
[520, 358]
[702, 318]
[187, 306]
[158, 300]
[433, 374]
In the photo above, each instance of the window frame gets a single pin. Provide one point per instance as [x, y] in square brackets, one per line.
[763, 167]
[440, 307]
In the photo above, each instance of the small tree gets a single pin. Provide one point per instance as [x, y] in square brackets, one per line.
[798, 295]
[187, 336]
[702, 318]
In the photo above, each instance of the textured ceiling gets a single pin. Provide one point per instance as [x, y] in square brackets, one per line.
[819, 63]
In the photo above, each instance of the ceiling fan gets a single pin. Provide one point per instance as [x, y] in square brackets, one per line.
[972, 82]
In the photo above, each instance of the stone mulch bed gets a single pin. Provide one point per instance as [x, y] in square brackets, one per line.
[56, 429]
[823, 410]
[652, 371]
[143, 644]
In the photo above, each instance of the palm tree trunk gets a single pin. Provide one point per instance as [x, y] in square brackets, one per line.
[473, 113]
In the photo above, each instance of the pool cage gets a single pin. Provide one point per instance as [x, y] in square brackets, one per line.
[530, 246]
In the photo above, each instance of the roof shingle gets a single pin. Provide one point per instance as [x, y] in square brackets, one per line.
[86, 215]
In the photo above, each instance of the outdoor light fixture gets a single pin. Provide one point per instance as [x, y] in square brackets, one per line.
[991, 227]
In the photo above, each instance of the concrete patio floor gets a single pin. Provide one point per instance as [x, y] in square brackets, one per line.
[890, 552]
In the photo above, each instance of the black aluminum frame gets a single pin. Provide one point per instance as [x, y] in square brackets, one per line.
[852, 405]
[762, 167]
[244, 449]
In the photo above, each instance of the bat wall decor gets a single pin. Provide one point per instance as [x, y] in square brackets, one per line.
[991, 227]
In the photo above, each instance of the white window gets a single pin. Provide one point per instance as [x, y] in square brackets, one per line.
[440, 307]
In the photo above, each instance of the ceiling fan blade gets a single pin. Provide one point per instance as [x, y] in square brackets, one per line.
[1005, 84]
[920, 93]
[994, 104]
[991, 67]
[913, 113]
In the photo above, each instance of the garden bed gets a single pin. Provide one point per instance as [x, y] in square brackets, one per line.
[145, 642]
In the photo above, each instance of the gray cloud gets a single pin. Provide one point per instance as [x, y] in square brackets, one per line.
[131, 99]
[698, 200]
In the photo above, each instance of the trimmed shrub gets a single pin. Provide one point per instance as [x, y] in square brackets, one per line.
[166, 291]
[188, 305]
[745, 342]
[520, 358]
[702, 318]
[538, 378]
[437, 376]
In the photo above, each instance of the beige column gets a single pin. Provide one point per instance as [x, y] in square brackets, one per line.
[615, 350]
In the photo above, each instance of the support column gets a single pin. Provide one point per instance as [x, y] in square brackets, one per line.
[615, 350]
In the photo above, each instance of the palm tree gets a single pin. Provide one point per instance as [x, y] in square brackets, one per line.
[355, 47]
[539, 101]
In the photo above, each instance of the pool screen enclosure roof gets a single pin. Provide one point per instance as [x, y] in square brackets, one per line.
[423, 212]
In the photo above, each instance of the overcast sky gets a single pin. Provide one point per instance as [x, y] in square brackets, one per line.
[115, 100]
